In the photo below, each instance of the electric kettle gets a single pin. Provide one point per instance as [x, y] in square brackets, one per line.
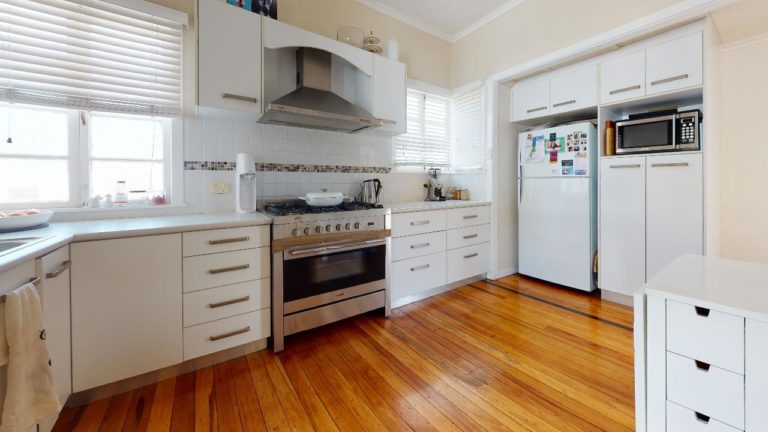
[370, 192]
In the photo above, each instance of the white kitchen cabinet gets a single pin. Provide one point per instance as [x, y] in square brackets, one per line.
[622, 224]
[674, 65]
[389, 94]
[229, 57]
[574, 90]
[54, 289]
[622, 78]
[467, 262]
[126, 308]
[406, 224]
[756, 368]
[415, 275]
[530, 100]
[674, 209]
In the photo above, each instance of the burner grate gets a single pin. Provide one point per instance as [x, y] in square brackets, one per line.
[288, 208]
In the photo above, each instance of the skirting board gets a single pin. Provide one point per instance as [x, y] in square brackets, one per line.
[128, 384]
[502, 273]
[617, 298]
[434, 291]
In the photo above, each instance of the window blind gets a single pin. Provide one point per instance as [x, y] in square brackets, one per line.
[468, 131]
[89, 54]
[427, 140]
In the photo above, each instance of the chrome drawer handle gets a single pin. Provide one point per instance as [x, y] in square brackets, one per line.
[625, 89]
[625, 166]
[471, 255]
[533, 110]
[471, 217]
[229, 302]
[240, 97]
[670, 79]
[701, 311]
[471, 236]
[572, 101]
[670, 164]
[230, 334]
[700, 365]
[701, 417]
[424, 267]
[415, 223]
[229, 269]
[64, 266]
[419, 246]
[229, 240]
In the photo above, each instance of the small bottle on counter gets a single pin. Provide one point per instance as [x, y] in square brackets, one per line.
[121, 192]
[465, 194]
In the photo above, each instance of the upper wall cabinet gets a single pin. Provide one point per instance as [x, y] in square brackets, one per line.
[573, 90]
[229, 57]
[674, 65]
[389, 94]
[623, 78]
[530, 100]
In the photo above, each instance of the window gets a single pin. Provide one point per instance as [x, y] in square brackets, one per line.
[427, 141]
[468, 130]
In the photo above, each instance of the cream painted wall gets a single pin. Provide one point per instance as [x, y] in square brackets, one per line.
[538, 27]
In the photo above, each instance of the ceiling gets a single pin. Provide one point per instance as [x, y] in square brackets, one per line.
[447, 19]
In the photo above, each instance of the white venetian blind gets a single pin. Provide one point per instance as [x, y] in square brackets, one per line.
[468, 131]
[427, 141]
[89, 54]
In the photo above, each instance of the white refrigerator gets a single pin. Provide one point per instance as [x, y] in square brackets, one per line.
[557, 204]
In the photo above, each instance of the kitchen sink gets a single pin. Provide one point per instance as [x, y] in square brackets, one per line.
[12, 244]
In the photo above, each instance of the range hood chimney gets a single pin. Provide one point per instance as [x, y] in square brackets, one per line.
[313, 104]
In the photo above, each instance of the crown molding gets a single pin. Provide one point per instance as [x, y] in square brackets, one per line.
[450, 38]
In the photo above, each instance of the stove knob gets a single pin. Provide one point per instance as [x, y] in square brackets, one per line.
[295, 232]
[357, 225]
[318, 229]
[327, 228]
[347, 227]
[338, 227]
[306, 231]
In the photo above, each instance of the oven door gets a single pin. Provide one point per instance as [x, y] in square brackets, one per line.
[646, 135]
[323, 274]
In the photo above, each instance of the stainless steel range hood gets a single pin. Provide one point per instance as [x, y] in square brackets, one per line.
[313, 104]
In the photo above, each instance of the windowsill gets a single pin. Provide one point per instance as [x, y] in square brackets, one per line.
[139, 210]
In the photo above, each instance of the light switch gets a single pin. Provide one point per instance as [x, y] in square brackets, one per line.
[220, 187]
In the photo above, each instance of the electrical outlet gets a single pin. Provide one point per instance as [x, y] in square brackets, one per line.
[220, 187]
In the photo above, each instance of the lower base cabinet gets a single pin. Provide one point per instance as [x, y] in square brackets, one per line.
[208, 338]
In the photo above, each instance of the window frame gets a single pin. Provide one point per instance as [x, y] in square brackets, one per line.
[425, 93]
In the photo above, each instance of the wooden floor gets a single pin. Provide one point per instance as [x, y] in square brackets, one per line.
[514, 354]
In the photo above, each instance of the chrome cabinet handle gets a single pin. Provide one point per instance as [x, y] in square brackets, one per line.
[240, 97]
[625, 166]
[230, 334]
[670, 164]
[229, 302]
[471, 236]
[229, 240]
[421, 245]
[64, 266]
[625, 89]
[670, 79]
[424, 222]
[471, 255]
[572, 101]
[229, 269]
[470, 217]
[424, 267]
[533, 110]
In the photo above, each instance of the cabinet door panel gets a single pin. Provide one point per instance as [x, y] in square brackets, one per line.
[126, 308]
[622, 224]
[229, 57]
[756, 369]
[574, 90]
[530, 100]
[389, 93]
[674, 65]
[622, 78]
[675, 209]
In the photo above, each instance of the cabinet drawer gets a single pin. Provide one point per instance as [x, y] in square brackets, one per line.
[468, 216]
[468, 236]
[415, 275]
[467, 262]
[418, 245]
[713, 392]
[713, 337]
[223, 302]
[225, 240]
[681, 419]
[406, 224]
[219, 335]
[208, 271]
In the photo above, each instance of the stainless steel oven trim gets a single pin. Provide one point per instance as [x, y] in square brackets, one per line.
[333, 296]
[305, 252]
[619, 124]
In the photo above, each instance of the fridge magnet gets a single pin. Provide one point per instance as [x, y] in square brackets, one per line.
[580, 166]
[567, 166]
[561, 144]
[553, 148]
[535, 153]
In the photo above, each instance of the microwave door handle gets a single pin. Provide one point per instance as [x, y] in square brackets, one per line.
[674, 133]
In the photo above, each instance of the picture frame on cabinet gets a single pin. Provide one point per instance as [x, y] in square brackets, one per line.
[262, 7]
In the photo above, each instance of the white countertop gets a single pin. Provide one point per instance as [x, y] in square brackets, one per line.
[729, 286]
[416, 206]
[60, 234]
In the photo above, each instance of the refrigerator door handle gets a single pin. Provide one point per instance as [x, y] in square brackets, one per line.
[520, 192]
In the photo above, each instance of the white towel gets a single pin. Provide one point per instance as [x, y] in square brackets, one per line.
[30, 395]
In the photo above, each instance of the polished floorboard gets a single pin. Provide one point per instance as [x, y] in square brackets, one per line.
[514, 354]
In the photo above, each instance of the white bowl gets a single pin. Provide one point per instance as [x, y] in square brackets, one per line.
[323, 199]
[12, 223]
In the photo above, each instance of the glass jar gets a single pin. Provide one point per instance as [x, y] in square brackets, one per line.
[121, 192]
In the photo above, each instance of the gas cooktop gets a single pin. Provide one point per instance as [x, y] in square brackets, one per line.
[298, 207]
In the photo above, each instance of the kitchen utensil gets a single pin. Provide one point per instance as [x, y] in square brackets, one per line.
[11, 223]
[434, 187]
[323, 199]
[370, 192]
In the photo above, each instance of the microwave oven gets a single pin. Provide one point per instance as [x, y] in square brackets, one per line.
[659, 132]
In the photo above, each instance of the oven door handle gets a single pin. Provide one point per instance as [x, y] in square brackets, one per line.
[337, 247]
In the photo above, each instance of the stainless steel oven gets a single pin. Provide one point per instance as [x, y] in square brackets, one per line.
[659, 132]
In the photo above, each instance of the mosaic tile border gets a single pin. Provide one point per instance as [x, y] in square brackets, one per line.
[280, 167]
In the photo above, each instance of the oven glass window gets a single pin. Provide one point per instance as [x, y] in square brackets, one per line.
[310, 276]
[647, 135]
